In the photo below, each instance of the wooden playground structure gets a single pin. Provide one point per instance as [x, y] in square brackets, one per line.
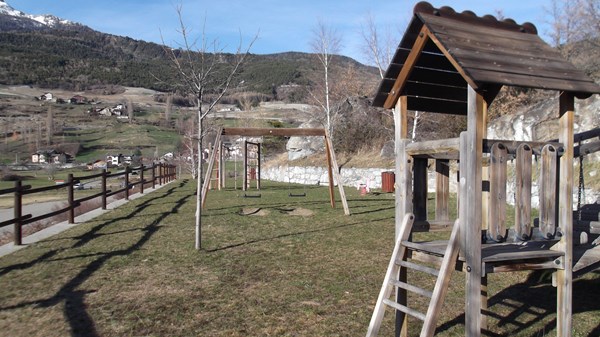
[456, 63]
[252, 165]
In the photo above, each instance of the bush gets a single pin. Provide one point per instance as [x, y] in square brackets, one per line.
[14, 177]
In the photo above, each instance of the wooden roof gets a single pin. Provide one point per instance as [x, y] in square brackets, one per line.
[443, 51]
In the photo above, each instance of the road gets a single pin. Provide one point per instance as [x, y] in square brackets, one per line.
[34, 209]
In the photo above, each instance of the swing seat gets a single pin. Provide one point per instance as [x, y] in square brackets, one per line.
[297, 195]
[246, 195]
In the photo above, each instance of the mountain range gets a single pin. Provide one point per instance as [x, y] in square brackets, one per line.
[13, 19]
[50, 52]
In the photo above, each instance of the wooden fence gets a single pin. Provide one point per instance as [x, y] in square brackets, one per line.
[159, 174]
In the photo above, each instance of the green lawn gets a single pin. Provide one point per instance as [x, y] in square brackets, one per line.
[134, 272]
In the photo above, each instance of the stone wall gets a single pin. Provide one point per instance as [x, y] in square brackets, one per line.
[313, 175]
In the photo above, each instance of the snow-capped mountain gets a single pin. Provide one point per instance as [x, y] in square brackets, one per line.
[11, 18]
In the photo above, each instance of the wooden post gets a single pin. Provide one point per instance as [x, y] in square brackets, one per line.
[442, 190]
[159, 177]
[70, 198]
[224, 173]
[547, 191]
[142, 179]
[420, 189]
[18, 212]
[245, 183]
[403, 164]
[523, 192]
[104, 191]
[403, 198]
[330, 172]
[497, 178]
[472, 222]
[258, 170]
[336, 173]
[564, 277]
[153, 174]
[127, 183]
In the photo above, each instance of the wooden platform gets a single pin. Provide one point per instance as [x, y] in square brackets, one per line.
[503, 257]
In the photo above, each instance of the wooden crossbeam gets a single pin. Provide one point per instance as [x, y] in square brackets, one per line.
[281, 132]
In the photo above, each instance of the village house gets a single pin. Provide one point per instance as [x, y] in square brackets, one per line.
[118, 110]
[114, 160]
[46, 97]
[98, 164]
[105, 112]
[78, 99]
[50, 157]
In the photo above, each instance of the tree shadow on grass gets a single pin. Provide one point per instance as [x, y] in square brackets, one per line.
[281, 236]
[528, 304]
[75, 311]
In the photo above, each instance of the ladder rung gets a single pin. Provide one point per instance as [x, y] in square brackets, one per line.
[412, 288]
[418, 267]
[405, 309]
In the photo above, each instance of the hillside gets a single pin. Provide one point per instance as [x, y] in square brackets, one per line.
[80, 58]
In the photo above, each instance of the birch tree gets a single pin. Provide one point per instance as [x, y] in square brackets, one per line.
[203, 72]
[379, 50]
[325, 43]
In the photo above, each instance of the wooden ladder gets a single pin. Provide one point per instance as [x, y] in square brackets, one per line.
[215, 175]
[209, 170]
[392, 281]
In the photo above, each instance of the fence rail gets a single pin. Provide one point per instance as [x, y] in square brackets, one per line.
[159, 174]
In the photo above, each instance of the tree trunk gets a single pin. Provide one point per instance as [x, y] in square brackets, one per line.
[199, 182]
[414, 126]
[327, 108]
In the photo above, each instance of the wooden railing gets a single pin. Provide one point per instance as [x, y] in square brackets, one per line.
[497, 153]
[523, 153]
[159, 174]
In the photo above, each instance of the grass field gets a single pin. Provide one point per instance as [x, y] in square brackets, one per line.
[270, 266]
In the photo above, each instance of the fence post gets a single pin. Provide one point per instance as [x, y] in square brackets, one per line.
[127, 183]
[104, 189]
[18, 235]
[153, 175]
[160, 173]
[71, 198]
[142, 179]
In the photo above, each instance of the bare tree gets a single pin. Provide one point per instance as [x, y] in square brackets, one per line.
[130, 110]
[50, 168]
[378, 50]
[168, 109]
[573, 21]
[200, 66]
[326, 42]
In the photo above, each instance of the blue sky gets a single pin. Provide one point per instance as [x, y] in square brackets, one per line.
[282, 25]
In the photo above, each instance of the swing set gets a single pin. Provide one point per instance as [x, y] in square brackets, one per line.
[252, 156]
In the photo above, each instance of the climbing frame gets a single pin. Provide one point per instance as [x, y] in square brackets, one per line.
[456, 63]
